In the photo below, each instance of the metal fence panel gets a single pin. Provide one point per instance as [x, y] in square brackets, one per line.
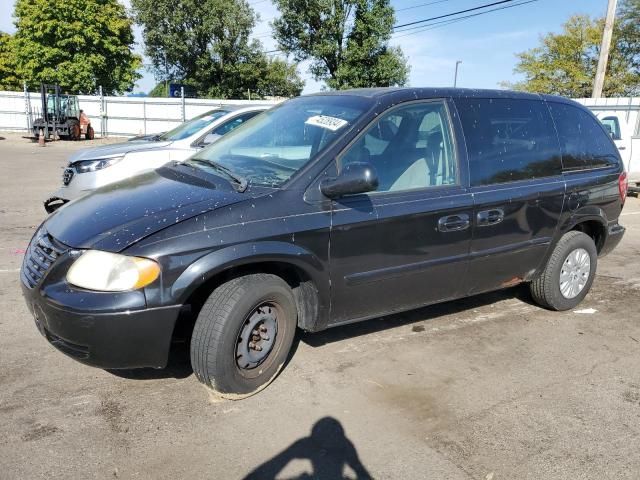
[115, 116]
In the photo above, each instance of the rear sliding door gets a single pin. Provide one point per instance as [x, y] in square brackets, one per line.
[516, 180]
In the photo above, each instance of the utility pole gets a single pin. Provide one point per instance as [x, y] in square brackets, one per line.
[598, 83]
[455, 77]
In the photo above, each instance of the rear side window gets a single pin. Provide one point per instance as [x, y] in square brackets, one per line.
[583, 142]
[508, 140]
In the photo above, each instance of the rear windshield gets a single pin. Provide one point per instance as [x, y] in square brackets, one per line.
[508, 140]
[270, 148]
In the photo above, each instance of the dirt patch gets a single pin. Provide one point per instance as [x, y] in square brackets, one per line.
[39, 431]
[112, 412]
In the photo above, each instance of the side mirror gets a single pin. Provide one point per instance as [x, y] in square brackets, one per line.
[355, 178]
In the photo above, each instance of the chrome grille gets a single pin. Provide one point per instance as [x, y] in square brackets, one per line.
[67, 175]
[41, 254]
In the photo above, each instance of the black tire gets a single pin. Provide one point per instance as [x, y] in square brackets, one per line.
[74, 130]
[90, 133]
[546, 290]
[221, 324]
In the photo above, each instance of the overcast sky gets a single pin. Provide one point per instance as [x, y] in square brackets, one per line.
[485, 44]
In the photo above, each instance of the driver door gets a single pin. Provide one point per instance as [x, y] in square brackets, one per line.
[407, 243]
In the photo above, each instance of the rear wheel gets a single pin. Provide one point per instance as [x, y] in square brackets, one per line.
[243, 335]
[569, 273]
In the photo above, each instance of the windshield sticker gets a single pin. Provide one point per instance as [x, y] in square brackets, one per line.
[323, 121]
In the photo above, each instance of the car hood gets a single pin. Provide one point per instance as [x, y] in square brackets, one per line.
[115, 149]
[118, 215]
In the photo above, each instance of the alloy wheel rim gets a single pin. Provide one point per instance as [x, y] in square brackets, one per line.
[257, 336]
[575, 272]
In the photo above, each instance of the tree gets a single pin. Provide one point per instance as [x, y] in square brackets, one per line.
[565, 63]
[347, 41]
[8, 79]
[160, 90]
[205, 43]
[79, 44]
[281, 80]
[629, 32]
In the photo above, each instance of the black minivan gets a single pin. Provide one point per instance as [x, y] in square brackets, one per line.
[328, 209]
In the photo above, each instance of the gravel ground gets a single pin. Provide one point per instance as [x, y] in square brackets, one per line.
[490, 387]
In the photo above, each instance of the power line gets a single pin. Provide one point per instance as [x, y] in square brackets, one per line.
[442, 23]
[420, 5]
[452, 13]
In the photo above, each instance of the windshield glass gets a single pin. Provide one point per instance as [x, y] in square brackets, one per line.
[191, 127]
[270, 148]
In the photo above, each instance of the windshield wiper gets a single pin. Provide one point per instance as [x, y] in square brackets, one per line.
[242, 183]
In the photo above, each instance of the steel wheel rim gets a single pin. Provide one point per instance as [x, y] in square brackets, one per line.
[257, 336]
[574, 273]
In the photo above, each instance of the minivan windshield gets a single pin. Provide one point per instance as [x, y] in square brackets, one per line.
[191, 127]
[270, 148]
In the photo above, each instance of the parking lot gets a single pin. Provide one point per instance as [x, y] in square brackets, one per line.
[490, 387]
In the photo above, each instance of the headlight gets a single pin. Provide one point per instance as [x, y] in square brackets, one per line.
[111, 272]
[97, 164]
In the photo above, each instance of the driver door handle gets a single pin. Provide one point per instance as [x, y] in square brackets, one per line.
[486, 218]
[454, 223]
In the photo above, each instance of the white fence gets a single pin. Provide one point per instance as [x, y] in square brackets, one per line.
[114, 116]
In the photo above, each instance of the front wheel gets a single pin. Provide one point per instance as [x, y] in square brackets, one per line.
[243, 335]
[569, 273]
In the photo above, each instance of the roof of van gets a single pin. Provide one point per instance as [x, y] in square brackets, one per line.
[438, 92]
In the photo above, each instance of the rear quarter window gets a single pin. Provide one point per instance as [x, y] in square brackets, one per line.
[584, 143]
[508, 140]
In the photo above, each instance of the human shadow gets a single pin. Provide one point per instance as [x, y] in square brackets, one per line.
[327, 448]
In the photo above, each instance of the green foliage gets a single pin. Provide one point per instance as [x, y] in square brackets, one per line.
[628, 29]
[205, 43]
[347, 41]
[565, 63]
[160, 90]
[8, 78]
[79, 44]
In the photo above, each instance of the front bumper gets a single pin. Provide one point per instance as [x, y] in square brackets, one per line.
[106, 330]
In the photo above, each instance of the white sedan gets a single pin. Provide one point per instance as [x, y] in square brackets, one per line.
[96, 167]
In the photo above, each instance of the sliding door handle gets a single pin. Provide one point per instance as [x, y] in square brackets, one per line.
[454, 223]
[489, 217]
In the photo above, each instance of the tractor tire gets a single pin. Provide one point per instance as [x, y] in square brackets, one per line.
[90, 133]
[74, 131]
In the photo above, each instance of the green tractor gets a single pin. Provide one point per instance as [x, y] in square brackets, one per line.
[60, 116]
